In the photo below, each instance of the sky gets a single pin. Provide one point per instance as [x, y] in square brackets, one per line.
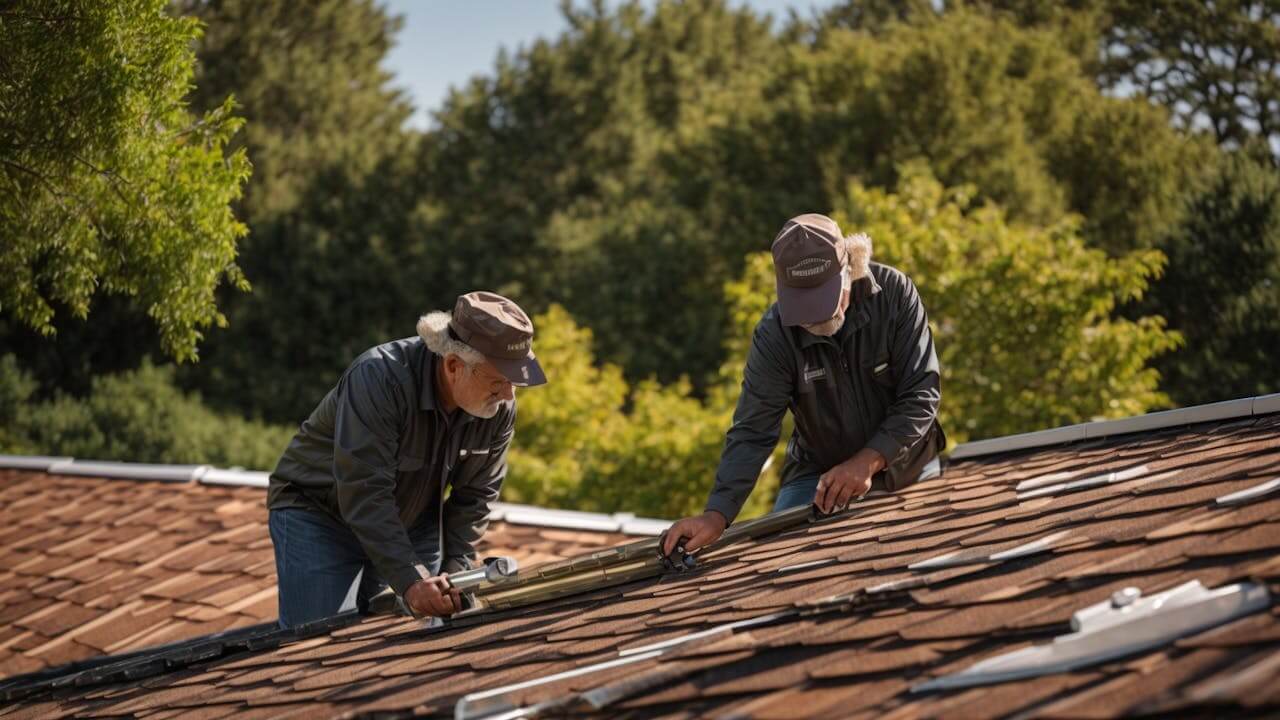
[446, 42]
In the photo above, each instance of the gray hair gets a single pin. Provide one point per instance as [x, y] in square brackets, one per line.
[859, 248]
[433, 328]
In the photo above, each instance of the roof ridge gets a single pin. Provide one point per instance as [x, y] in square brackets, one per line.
[1225, 410]
[512, 513]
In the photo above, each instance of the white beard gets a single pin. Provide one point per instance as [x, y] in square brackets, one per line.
[828, 328]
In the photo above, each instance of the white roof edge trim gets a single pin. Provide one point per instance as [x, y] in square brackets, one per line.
[1127, 624]
[249, 478]
[128, 471]
[1225, 410]
[30, 462]
[622, 522]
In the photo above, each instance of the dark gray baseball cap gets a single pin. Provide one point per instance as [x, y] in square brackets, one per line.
[502, 332]
[809, 255]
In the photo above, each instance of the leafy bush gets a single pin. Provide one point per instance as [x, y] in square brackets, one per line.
[139, 416]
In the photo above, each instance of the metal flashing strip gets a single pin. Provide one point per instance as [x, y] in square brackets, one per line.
[1226, 410]
[1249, 494]
[30, 462]
[128, 471]
[1088, 482]
[1127, 624]
[1022, 441]
[974, 556]
[1266, 404]
[625, 523]
[248, 478]
[497, 703]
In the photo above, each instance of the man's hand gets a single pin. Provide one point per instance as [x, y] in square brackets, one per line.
[847, 481]
[433, 596]
[700, 530]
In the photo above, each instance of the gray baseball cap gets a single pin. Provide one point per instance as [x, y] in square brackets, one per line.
[502, 332]
[809, 255]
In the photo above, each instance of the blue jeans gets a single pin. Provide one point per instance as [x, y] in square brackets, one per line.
[319, 562]
[802, 490]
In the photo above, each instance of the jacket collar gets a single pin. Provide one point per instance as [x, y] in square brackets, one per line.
[427, 379]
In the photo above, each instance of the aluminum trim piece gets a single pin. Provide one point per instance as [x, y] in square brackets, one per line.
[1088, 482]
[1125, 625]
[30, 462]
[128, 471]
[1265, 404]
[1248, 494]
[1023, 441]
[244, 478]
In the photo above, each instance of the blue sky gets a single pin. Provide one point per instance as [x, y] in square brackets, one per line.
[446, 42]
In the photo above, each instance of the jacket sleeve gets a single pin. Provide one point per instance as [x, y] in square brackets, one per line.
[466, 512]
[366, 432]
[919, 387]
[757, 421]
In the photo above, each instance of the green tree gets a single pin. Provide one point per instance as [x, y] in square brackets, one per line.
[138, 416]
[307, 77]
[1221, 288]
[108, 181]
[331, 206]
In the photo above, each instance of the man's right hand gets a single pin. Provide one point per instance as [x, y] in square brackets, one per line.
[433, 596]
[700, 530]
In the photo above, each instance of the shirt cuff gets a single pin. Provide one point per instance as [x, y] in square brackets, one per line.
[403, 580]
[725, 507]
[888, 448]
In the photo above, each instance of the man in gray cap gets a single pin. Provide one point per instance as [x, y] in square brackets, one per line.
[847, 349]
[358, 500]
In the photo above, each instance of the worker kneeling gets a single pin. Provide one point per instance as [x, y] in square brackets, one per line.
[360, 491]
[847, 349]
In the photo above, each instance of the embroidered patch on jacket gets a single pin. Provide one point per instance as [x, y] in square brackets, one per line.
[811, 374]
[478, 451]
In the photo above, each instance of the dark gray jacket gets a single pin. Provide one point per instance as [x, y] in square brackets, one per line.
[875, 384]
[377, 453]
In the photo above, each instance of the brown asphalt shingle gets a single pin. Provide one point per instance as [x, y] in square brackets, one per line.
[1153, 531]
[159, 561]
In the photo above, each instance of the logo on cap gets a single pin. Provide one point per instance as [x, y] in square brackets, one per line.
[809, 267]
[523, 345]
[525, 372]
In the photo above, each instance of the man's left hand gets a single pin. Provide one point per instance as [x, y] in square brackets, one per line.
[847, 481]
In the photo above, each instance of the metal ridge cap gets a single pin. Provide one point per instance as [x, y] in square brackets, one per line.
[128, 470]
[1224, 410]
[30, 462]
[620, 522]
[233, 476]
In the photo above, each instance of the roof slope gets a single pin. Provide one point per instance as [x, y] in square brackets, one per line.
[839, 617]
[91, 565]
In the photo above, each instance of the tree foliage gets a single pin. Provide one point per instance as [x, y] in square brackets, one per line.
[108, 181]
[1222, 286]
[139, 416]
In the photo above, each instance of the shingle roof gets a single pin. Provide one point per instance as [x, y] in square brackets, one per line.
[839, 617]
[91, 565]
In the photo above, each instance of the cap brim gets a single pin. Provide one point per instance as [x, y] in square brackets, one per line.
[805, 306]
[525, 372]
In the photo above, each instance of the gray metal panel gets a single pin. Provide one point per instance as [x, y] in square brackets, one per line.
[30, 462]
[128, 471]
[1226, 410]
[1172, 418]
[1264, 404]
[1040, 438]
[248, 478]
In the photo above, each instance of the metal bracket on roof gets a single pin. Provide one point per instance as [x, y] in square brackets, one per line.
[1128, 623]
